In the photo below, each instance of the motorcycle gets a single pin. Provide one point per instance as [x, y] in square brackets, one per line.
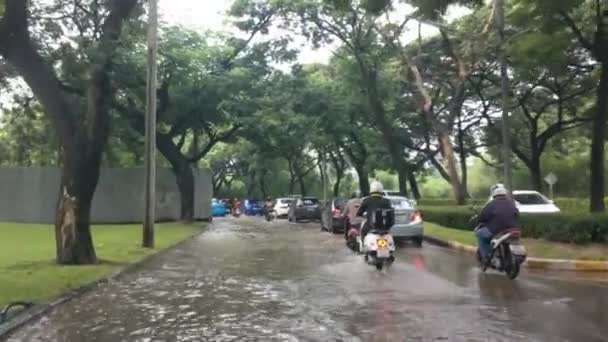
[378, 248]
[236, 212]
[270, 215]
[351, 236]
[507, 253]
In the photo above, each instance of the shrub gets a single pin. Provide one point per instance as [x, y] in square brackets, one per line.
[577, 228]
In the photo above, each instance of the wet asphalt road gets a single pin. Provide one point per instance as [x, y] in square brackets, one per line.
[247, 280]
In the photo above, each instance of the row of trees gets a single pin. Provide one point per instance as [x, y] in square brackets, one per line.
[389, 99]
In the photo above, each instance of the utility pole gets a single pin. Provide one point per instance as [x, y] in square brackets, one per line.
[150, 159]
[502, 58]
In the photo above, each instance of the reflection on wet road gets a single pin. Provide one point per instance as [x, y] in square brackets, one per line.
[247, 280]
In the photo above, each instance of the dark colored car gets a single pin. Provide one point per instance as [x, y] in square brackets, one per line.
[252, 208]
[305, 208]
[331, 216]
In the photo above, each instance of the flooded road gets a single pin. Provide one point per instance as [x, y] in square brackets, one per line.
[247, 280]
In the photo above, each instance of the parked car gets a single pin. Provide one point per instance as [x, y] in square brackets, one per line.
[331, 216]
[408, 221]
[218, 208]
[253, 207]
[533, 202]
[305, 208]
[281, 206]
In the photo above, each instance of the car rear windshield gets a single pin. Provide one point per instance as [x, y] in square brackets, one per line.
[285, 201]
[310, 201]
[339, 202]
[400, 203]
[393, 193]
[530, 199]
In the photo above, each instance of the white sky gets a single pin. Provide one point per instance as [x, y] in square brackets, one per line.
[210, 15]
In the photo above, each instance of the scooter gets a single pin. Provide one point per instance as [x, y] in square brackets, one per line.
[378, 248]
[507, 253]
[352, 236]
[270, 215]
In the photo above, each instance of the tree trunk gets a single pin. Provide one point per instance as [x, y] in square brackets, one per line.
[302, 185]
[263, 185]
[598, 142]
[184, 176]
[339, 166]
[292, 177]
[447, 152]
[251, 185]
[535, 172]
[363, 176]
[79, 177]
[185, 184]
[403, 178]
[414, 185]
[337, 184]
[464, 174]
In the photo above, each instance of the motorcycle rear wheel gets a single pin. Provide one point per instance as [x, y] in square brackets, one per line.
[379, 265]
[513, 268]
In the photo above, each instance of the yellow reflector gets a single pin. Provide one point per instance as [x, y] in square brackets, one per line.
[381, 243]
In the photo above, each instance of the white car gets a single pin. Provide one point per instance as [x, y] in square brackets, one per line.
[281, 206]
[533, 202]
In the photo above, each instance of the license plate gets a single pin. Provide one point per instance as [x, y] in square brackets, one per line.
[383, 253]
[311, 209]
[518, 249]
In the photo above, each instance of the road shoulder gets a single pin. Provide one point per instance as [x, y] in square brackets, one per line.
[435, 236]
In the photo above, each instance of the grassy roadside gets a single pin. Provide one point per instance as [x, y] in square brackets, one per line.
[536, 248]
[28, 271]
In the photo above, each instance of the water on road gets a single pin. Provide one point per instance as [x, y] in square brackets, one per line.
[248, 280]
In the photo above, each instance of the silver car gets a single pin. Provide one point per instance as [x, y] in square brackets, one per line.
[408, 221]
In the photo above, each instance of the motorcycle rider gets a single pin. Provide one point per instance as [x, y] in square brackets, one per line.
[376, 201]
[350, 213]
[498, 215]
[268, 206]
[236, 206]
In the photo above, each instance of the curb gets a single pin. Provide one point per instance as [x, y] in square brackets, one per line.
[532, 263]
[38, 310]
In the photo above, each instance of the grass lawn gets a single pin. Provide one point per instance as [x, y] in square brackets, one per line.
[535, 248]
[27, 251]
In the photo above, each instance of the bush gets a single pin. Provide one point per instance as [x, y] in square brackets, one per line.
[577, 228]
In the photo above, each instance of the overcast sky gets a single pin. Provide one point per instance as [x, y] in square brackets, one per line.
[210, 15]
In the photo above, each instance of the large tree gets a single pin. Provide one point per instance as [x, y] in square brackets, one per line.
[584, 22]
[81, 119]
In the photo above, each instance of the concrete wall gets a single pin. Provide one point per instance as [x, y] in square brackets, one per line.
[30, 194]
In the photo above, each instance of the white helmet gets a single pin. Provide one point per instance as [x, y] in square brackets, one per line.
[376, 187]
[498, 190]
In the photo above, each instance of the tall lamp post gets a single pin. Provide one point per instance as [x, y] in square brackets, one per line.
[150, 150]
[502, 56]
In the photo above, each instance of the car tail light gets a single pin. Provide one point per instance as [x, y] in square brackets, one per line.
[337, 213]
[416, 216]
